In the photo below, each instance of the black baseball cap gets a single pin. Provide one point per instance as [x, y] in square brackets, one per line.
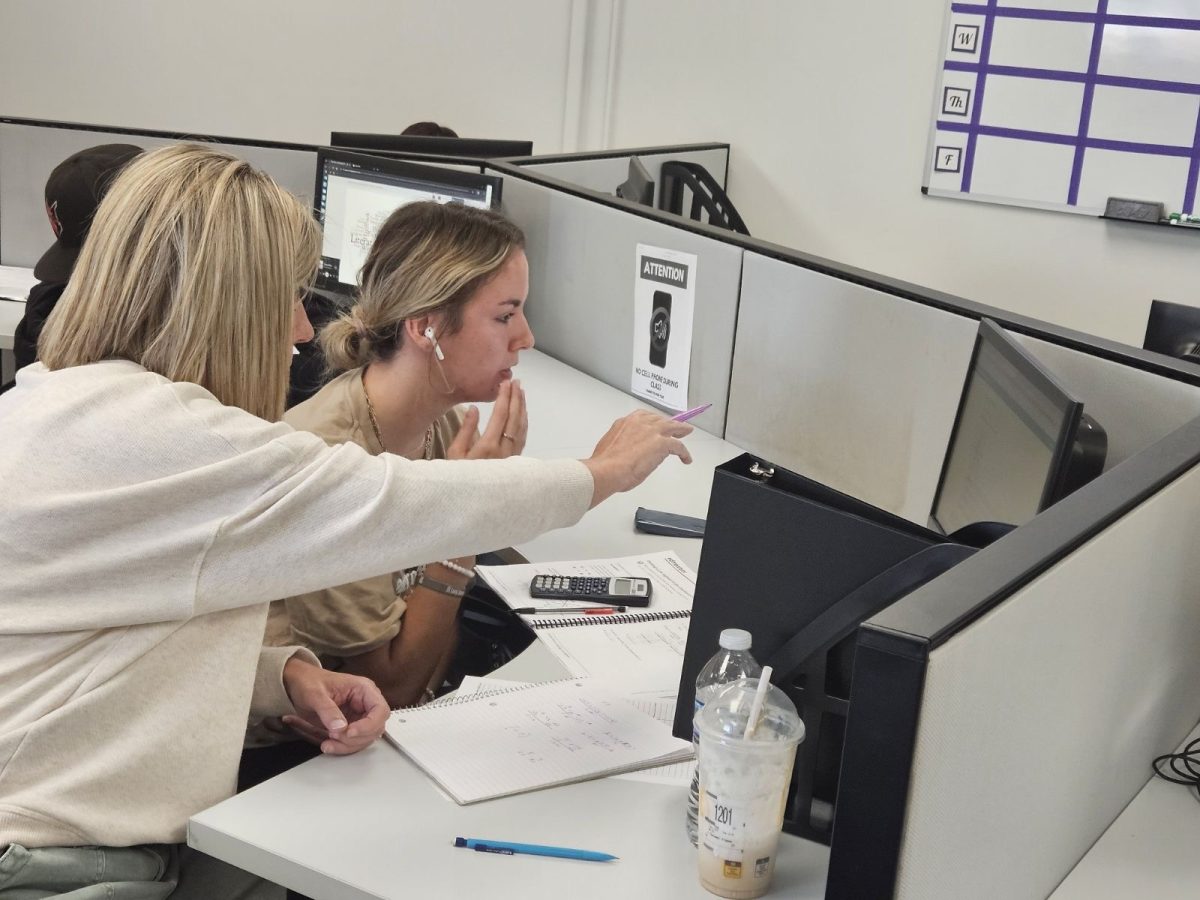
[73, 191]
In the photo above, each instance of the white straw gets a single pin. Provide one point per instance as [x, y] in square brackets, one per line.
[764, 682]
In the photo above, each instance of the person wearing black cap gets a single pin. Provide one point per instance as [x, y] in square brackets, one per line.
[73, 191]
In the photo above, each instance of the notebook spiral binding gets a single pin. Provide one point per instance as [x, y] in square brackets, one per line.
[481, 695]
[616, 619]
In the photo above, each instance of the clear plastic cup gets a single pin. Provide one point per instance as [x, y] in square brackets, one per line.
[743, 787]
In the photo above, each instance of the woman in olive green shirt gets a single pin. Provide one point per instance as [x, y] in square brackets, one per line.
[439, 323]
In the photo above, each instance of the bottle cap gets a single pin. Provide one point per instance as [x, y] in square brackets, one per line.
[735, 639]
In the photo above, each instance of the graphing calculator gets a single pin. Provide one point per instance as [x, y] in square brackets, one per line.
[623, 590]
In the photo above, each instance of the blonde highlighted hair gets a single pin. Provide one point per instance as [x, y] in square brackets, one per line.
[191, 269]
[427, 258]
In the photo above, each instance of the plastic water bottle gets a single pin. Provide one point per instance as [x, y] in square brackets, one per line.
[731, 662]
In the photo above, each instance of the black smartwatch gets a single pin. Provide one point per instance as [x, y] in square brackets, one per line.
[660, 328]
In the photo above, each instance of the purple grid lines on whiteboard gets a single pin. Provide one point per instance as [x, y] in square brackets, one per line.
[1080, 140]
[985, 49]
[1085, 109]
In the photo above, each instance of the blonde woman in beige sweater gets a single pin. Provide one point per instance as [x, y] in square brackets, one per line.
[154, 505]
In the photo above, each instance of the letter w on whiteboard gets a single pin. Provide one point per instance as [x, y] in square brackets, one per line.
[663, 300]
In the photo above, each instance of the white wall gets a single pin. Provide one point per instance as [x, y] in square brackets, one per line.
[827, 106]
[290, 70]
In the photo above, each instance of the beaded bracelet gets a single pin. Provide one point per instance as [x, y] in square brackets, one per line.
[455, 567]
[440, 586]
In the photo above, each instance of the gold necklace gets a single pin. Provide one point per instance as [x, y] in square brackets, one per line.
[428, 449]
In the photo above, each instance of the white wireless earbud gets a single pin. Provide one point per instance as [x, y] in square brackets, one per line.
[437, 351]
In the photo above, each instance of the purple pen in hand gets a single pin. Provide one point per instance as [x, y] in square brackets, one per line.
[691, 413]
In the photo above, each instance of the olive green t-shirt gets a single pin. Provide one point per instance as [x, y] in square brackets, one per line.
[350, 619]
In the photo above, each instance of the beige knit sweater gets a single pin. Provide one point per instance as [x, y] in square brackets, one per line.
[144, 528]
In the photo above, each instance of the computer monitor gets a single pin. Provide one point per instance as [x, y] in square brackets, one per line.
[356, 192]
[474, 148]
[1017, 444]
[1173, 329]
[639, 186]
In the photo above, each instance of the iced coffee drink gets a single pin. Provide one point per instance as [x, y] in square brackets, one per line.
[743, 788]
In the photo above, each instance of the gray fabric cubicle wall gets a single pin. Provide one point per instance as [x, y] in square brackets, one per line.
[603, 171]
[29, 152]
[858, 388]
[1041, 677]
[1024, 692]
[1136, 407]
[846, 384]
[582, 269]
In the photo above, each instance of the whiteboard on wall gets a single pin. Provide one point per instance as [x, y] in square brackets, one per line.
[1061, 104]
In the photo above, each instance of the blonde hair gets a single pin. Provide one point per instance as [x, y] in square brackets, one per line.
[427, 257]
[191, 268]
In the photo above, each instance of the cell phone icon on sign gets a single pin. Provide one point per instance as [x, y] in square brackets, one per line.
[660, 328]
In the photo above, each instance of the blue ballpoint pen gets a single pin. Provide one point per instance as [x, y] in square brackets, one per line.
[508, 849]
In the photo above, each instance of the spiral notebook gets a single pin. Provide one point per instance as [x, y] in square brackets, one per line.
[625, 618]
[529, 737]
[661, 707]
[674, 583]
[636, 651]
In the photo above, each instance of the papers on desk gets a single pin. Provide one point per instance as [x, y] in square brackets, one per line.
[532, 736]
[661, 708]
[635, 656]
[16, 282]
[638, 651]
[676, 773]
[673, 583]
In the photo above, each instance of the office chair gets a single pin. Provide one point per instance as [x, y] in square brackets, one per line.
[709, 203]
[1173, 329]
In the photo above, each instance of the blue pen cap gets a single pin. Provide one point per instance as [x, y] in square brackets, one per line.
[460, 842]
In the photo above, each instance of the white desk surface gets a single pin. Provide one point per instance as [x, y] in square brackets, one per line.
[1151, 850]
[11, 312]
[373, 825]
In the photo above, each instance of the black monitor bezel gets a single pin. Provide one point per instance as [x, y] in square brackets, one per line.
[469, 148]
[392, 165]
[1041, 379]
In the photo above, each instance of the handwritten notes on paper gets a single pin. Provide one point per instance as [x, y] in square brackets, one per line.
[534, 736]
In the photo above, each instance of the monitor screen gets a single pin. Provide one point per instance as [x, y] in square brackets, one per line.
[1011, 443]
[473, 148]
[356, 192]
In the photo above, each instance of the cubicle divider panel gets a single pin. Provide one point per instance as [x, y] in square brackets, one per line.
[28, 153]
[1055, 664]
[1039, 721]
[582, 268]
[846, 384]
[1135, 407]
[602, 172]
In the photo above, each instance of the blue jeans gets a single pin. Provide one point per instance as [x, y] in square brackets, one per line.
[145, 872]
